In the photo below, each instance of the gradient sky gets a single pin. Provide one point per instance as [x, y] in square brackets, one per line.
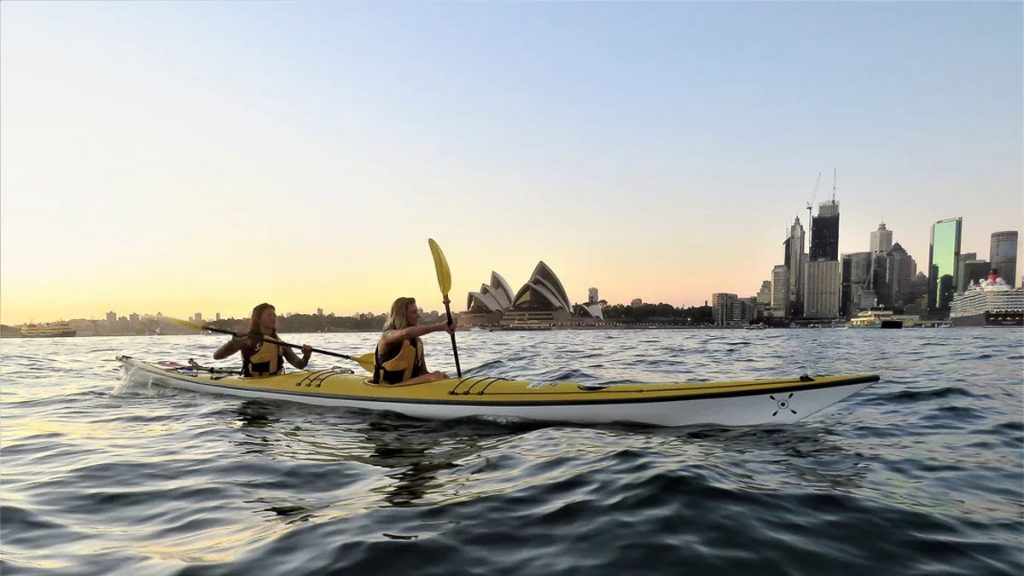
[185, 157]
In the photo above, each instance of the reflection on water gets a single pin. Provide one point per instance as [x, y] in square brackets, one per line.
[411, 461]
[410, 452]
[431, 462]
[256, 414]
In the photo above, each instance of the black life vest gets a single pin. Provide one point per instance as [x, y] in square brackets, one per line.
[263, 359]
[399, 363]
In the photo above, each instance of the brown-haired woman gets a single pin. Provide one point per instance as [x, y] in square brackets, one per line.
[399, 353]
[261, 357]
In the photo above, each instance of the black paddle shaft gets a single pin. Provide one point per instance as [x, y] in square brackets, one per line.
[455, 348]
[281, 343]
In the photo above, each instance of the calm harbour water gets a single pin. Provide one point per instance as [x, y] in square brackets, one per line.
[922, 473]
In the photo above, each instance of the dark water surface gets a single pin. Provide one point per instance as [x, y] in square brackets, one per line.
[922, 473]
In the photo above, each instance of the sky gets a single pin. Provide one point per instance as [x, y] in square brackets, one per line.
[204, 157]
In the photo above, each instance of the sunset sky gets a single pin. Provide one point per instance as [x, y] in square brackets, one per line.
[187, 156]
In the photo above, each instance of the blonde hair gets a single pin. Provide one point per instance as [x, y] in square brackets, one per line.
[397, 320]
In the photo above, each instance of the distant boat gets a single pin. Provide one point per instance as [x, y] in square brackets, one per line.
[876, 319]
[524, 326]
[48, 330]
[991, 302]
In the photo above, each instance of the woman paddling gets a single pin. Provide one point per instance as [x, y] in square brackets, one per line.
[262, 357]
[399, 353]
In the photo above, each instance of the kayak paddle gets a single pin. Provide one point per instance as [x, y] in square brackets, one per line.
[365, 360]
[444, 280]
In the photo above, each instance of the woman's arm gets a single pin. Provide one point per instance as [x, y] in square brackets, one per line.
[231, 346]
[392, 336]
[294, 360]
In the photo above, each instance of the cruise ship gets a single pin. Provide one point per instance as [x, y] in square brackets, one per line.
[48, 330]
[991, 302]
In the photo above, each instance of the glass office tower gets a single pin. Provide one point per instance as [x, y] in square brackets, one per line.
[943, 255]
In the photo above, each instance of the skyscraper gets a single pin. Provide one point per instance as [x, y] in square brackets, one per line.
[722, 307]
[823, 274]
[1003, 255]
[943, 253]
[794, 259]
[823, 289]
[764, 295]
[881, 239]
[961, 264]
[876, 280]
[825, 233]
[856, 292]
[592, 296]
[899, 274]
[972, 271]
[780, 292]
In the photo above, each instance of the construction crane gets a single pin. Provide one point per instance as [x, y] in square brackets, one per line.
[810, 205]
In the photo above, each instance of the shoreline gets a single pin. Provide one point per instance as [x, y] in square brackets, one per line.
[616, 327]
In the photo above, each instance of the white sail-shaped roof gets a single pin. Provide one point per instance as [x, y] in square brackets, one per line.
[483, 302]
[593, 310]
[494, 297]
[542, 290]
[501, 290]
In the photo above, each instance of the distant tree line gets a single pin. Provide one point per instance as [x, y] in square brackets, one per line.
[312, 323]
[659, 313]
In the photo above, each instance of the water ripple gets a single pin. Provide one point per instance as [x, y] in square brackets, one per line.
[922, 473]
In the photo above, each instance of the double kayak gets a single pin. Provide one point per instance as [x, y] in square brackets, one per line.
[737, 403]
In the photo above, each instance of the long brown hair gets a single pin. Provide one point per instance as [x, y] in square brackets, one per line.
[254, 320]
[397, 320]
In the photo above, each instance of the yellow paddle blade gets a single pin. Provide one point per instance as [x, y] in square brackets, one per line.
[444, 275]
[366, 361]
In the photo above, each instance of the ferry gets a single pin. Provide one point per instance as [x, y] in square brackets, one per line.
[876, 319]
[48, 330]
[991, 302]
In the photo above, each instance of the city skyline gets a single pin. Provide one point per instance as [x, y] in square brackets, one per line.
[657, 151]
[591, 291]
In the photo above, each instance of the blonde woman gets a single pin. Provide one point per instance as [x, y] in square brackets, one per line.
[260, 357]
[399, 354]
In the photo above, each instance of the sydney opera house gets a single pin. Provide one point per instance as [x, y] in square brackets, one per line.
[542, 300]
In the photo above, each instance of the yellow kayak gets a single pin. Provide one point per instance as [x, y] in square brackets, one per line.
[736, 403]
